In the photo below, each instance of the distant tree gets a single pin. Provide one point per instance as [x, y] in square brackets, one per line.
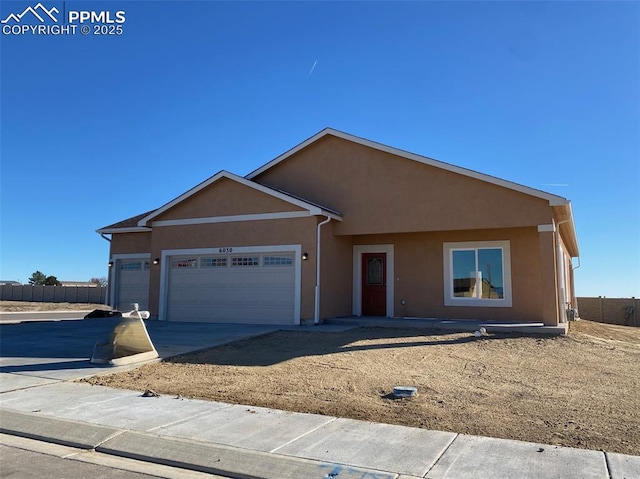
[37, 279]
[52, 281]
[102, 281]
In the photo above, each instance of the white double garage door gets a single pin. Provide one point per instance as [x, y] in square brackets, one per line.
[232, 285]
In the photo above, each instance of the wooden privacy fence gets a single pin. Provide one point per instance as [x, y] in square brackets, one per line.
[54, 294]
[610, 310]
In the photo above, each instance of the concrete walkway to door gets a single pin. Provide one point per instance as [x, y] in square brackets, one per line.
[449, 324]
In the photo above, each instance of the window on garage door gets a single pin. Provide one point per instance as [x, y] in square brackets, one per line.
[215, 262]
[184, 263]
[281, 260]
[245, 261]
[132, 265]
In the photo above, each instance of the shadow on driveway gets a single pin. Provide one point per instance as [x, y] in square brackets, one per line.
[62, 349]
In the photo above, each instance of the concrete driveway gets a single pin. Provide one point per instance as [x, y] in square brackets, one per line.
[41, 352]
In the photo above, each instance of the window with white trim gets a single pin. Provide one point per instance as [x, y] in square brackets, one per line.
[477, 274]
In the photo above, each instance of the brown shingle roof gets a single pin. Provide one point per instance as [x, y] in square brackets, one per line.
[128, 223]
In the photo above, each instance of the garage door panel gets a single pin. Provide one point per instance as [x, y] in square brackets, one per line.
[247, 288]
[132, 284]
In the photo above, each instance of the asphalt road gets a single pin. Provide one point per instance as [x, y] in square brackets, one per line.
[10, 318]
[22, 464]
[23, 458]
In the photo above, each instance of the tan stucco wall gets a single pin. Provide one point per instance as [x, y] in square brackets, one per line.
[378, 192]
[226, 198]
[237, 234]
[385, 200]
[336, 276]
[130, 243]
[418, 268]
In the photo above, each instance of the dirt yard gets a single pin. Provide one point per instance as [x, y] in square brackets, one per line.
[580, 390]
[18, 306]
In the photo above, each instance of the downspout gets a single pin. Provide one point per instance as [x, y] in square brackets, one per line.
[316, 312]
[562, 280]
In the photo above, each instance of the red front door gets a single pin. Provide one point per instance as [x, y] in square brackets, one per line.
[374, 284]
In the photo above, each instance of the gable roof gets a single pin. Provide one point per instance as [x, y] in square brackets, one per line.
[130, 225]
[554, 200]
[561, 206]
[313, 208]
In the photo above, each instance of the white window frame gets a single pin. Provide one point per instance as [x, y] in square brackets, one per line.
[451, 300]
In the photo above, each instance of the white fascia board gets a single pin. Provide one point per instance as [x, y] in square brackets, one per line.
[553, 200]
[182, 197]
[572, 226]
[234, 218]
[130, 229]
[312, 209]
[292, 151]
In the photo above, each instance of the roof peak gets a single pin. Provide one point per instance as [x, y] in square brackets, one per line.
[554, 200]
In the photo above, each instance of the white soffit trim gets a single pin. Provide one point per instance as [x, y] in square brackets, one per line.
[313, 209]
[553, 200]
[231, 219]
[130, 229]
[550, 228]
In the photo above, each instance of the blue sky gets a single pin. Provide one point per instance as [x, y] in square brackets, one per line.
[95, 129]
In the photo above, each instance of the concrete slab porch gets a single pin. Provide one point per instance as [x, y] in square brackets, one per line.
[453, 325]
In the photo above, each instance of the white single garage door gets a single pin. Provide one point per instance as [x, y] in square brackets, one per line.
[132, 284]
[232, 288]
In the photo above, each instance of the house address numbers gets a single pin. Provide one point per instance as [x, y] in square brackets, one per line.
[225, 250]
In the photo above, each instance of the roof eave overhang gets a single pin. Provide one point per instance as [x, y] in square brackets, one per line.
[131, 229]
[313, 209]
[553, 200]
[564, 218]
[323, 212]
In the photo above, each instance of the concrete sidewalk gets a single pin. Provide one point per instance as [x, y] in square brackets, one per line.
[38, 400]
[243, 441]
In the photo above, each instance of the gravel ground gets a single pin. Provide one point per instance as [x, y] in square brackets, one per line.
[578, 390]
[22, 306]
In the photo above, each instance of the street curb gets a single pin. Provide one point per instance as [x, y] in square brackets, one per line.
[45, 428]
[226, 460]
[188, 454]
